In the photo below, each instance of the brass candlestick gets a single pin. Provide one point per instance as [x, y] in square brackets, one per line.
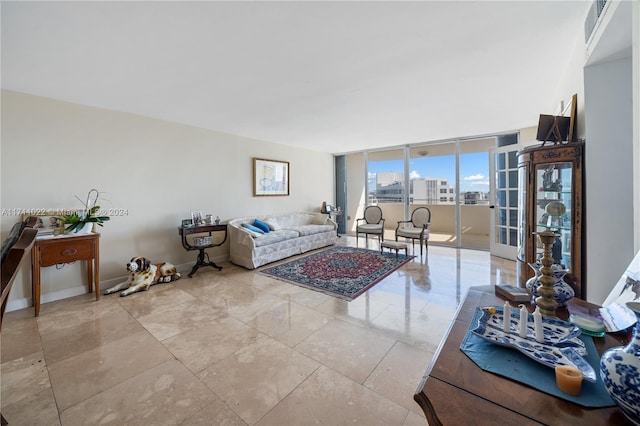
[546, 301]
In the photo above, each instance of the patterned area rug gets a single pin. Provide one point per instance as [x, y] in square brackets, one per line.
[344, 272]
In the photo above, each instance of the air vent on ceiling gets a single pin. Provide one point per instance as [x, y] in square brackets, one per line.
[592, 18]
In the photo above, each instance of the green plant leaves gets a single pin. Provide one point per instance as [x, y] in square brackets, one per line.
[74, 222]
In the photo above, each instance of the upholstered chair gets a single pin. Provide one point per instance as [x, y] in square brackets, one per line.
[417, 228]
[371, 223]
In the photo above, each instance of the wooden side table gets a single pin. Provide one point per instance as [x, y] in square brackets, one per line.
[65, 249]
[202, 229]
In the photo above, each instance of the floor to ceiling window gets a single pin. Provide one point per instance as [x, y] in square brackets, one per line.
[450, 178]
[386, 180]
[433, 177]
[386, 185]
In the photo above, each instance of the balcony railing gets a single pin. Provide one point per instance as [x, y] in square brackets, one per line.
[475, 222]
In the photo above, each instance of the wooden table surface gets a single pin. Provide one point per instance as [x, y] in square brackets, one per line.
[455, 391]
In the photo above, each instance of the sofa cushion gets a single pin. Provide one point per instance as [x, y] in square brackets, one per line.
[273, 223]
[261, 225]
[276, 237]
[289, 221]
[253, 229]
[312, 229]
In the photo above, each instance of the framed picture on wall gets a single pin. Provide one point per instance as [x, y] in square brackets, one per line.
[270, 177]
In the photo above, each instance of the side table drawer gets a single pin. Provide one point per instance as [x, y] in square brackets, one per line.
[67, 251]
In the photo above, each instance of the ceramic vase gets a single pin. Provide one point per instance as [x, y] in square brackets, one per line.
[532, 285]
[564, 292]
[620, 372]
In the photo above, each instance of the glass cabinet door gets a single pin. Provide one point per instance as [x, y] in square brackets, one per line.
[553, 209]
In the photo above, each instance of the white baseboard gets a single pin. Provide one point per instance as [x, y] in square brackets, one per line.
[14, 305]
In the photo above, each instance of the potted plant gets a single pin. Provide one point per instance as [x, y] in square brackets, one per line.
[84, 219]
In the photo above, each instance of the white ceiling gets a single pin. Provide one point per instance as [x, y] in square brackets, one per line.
[329, 76]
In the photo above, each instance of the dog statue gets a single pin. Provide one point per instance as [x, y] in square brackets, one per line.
[144, 275]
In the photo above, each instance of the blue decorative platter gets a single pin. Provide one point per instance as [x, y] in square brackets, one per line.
[561, 345]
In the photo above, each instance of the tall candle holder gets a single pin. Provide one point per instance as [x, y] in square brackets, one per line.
[546, 301]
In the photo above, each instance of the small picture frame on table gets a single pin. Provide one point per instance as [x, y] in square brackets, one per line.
[186, 223]
[47, 221]
[196, 218]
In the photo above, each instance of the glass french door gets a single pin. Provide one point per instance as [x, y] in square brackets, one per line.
[504, 197]
[470, 186]
[474, 193]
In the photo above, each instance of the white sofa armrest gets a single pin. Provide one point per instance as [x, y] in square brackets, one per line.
[241, 235]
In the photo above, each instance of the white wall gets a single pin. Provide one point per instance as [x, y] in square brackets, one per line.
[609, 211]
[635, 48]
[158, 171]
[571, 81]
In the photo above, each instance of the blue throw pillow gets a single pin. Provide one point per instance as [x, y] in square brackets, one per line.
[261, 225]
[252, 228]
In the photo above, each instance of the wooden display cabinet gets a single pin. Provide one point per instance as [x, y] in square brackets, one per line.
[550, 191]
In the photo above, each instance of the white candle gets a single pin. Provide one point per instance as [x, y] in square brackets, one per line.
[524, 316]
[506, 317]
[537, 323]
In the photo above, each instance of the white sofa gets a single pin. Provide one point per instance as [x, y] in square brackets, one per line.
[290, 234]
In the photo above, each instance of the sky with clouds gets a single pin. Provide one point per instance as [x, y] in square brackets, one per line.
[474, 169]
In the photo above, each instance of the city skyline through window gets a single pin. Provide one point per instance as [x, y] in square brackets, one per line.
[386, 177]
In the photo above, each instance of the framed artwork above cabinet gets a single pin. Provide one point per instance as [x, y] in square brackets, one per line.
[551, 188]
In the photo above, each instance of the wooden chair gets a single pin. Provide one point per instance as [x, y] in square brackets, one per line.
[417, 228]
[371, 223]
[15, 248]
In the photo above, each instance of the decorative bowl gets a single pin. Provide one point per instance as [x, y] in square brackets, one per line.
[561, 344]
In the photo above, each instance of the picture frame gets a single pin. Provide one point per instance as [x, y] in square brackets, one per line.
[196, 218]
[573, 119]
[47, 222]
[553, 128]
[186, 223]
[270, 177]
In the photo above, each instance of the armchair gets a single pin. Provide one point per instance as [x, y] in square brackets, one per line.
[371, 223]
[417, 228]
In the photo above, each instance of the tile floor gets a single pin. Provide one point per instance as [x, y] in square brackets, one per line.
[238, 348]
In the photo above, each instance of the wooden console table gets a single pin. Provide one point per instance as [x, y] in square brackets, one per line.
[455, 391]
[65, 249]
[202, 229]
